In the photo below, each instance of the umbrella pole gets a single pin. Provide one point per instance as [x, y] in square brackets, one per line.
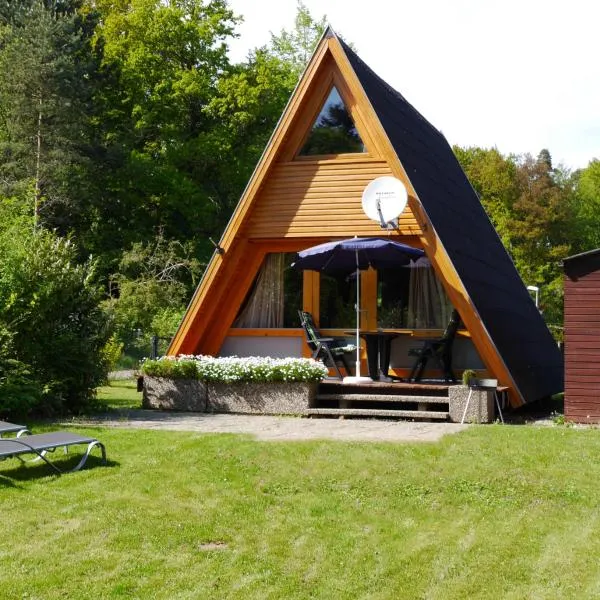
[357, 378]
[357, 304]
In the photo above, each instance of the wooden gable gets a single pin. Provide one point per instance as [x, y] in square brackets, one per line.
[290, 202]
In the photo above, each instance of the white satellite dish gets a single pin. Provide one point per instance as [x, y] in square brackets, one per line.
[383, 200]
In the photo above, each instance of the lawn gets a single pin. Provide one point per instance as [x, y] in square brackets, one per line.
[121, 393]
[494, 512]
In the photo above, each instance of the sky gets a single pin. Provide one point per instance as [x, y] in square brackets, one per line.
[518, 75]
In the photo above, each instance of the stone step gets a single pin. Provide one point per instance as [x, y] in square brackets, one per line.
[383, 398]
[370, 412]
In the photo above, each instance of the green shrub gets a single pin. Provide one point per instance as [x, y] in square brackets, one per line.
[19, 389]
[50, 305]
[172, 369]
[112, 352]
[231, 369]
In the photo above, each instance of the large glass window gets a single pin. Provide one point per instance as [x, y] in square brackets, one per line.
[428, 305]
[337, 301]
[392, 297]
[333, 132]
[411, 297]
[275, 296]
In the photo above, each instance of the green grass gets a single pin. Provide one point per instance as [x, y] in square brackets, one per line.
[120, 394]
[507, 512]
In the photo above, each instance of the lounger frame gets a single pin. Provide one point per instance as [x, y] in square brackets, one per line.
[41, 444]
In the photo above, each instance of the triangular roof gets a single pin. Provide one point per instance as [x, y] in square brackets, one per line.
[455, 231]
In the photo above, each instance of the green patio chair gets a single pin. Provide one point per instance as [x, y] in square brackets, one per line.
[326, 349]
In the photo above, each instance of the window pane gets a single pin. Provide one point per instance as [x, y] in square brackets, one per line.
[392, 297]
[337, 302]
[333, 132]
[292, 292]
[275, 284]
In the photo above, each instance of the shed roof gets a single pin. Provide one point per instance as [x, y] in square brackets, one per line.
[582, 264]
[487, 272]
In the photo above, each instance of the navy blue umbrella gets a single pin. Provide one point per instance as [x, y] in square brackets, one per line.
[354, 254]
[345, 256]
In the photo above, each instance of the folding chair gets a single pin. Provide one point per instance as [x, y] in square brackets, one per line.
[440, 351]
[42, 443]
[326, 349]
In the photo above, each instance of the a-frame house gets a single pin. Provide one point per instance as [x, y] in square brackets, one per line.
[298, 197]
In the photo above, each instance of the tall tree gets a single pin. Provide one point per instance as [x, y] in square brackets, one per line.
[44, 104]
[542, 227]
[163, 61]
[587, 182]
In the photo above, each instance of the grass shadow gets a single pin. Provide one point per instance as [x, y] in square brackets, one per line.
[28, 471]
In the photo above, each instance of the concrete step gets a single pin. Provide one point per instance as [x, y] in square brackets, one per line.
[370, 412]
[383, 398]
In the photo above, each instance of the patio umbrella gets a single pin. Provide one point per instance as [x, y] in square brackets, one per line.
[354, 254]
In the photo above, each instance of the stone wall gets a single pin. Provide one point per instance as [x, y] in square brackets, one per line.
[174, 394]
[253, 398]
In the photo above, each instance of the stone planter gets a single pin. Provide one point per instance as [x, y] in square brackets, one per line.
[276, 398]
[251, 398]
[174, 394]
[481, 406]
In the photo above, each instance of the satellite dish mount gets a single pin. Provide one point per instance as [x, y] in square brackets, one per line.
[383, 200]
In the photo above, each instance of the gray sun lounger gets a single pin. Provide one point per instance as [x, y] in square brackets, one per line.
[6, 427]
[42, 443]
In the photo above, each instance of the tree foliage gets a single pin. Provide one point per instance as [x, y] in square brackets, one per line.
[51, 322]
[295, 47]
[531, 204]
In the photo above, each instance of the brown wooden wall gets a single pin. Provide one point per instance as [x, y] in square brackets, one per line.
[582, 348]
[308, 198]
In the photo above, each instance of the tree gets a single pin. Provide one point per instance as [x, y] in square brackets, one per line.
[162, 62]
[587, 209]
[542, 229]
[44, 105]
[150, 291]
[494, 179]
[296, 47]
[531, 204]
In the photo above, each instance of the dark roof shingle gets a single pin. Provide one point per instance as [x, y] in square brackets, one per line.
[486, 270]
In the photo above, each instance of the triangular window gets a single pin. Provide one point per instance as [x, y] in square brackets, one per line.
[333, 131]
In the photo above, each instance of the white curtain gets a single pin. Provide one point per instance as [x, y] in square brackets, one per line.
[428, 304]
[264, 307]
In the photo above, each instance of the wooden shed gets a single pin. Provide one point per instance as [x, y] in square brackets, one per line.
[582, 337]
[342, 128]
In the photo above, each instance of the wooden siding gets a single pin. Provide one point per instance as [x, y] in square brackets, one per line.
[582, 348]
[307, 198]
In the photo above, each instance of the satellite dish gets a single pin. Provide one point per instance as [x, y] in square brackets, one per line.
[384, 200]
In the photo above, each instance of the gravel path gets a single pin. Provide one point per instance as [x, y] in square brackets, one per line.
[280, 428]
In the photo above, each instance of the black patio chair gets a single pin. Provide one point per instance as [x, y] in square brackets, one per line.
[327, 349]
[438, 350]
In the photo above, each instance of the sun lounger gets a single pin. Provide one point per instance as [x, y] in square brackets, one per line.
[6, 427]
[41, 444]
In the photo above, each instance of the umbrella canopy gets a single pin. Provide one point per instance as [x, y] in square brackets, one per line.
[354, 254]
[345, 256]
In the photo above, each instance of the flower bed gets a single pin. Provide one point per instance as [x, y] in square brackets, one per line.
[233, 369]
[260, 385]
